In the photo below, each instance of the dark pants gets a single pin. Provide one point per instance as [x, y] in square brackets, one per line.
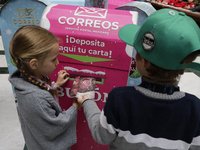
[25, 148]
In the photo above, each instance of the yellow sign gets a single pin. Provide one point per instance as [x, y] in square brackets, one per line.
[26, 13]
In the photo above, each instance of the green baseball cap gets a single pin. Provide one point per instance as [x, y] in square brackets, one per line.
[165, 38]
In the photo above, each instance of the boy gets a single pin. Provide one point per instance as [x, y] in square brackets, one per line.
[154, 115]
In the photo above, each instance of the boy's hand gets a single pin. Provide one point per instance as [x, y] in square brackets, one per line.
[81, 100]
[61, 78]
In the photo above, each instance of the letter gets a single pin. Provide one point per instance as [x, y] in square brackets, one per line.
[23, 21]
[14, 21]
[19, 22]
[67, 38]
[67, 92]
[37, 21]
[87, 42]
[60, 48]
[105, 53]
[79, 49]
[94, 52]
[102, 44]
[105, 97]
[88, 22]
[106, 22]
[77, 41]
[92, 43]
[115, 24]
[28, 22]
[72, 40]
[80, 21]
[101, 52]
[98, 96]
[83, 50]
[82, 42]
[96, 23]
[60, 21]
[32, 22]
[97, 43]
[90, 51]
[66, 49]
[60, 91]
[73, 20]
[71, 49]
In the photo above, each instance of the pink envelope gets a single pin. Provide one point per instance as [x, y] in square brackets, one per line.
[91, 12]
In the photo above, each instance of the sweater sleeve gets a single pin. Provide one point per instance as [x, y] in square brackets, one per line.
[97, 124]
[57, 124]
[103, 125]
[44, 116]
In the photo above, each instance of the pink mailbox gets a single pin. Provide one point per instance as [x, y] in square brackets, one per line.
[90, 47]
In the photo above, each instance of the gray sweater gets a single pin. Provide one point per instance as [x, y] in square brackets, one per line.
[44, 125]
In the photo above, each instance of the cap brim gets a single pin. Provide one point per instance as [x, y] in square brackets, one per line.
[193, 65]
[127, 33]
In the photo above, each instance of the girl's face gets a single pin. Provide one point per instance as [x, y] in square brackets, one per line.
[48, 65]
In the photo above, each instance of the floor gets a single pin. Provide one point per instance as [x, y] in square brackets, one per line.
[10, 133]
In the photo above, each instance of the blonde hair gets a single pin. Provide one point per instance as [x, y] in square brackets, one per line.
[31, 42]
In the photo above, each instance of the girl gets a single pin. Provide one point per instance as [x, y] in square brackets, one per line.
[45, 126]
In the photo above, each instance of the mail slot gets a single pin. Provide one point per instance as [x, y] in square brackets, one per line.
[90, 47]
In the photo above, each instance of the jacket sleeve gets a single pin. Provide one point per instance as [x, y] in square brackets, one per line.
[102, 131]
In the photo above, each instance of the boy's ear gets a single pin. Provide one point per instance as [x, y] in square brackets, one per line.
[145, 63]
[33, 64]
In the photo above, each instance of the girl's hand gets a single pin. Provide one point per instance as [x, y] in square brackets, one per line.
[76, 104]
[61, 78]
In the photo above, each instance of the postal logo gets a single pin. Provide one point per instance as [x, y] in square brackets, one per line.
[91, 12]
[26, 13]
